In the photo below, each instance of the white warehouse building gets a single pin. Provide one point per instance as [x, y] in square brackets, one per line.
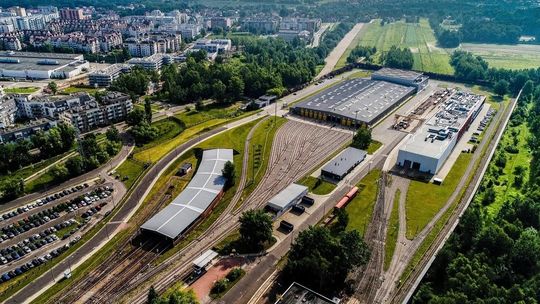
[428, 148]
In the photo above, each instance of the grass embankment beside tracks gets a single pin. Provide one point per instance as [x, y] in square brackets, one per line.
[21, 90]
[260, 150]
[439, 225]
[392, 232]
[360, 209]
[424, 200]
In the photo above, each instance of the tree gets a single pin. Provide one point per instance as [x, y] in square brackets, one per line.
[228, 173]
[53, 87]
[75, 165]
[113, 134]
[153, 296]
[342, 221]
[525, 254]
[501, 87]
[362, 138]
[398, 58]
[11, 188]
[148, 110]
[135, 117]
[321, 260]
[59, 173]
[255, 229]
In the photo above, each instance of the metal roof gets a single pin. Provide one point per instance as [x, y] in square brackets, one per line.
[201, 191]
[347, 159]
[397, 73]
[361, 99]
[205, 258]
[284, 198]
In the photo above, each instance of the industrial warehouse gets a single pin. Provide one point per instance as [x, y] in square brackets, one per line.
[202, 192]
[362, 101]
[343, 164]
[288, 197]
[428, 148]
[30, 65]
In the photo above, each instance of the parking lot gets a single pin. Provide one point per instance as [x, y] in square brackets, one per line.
[36, 233]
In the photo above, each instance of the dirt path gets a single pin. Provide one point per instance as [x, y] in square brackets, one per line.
[337, 52]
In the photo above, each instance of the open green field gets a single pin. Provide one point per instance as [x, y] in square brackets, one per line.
[360, 209]
[424, 200]
[392, 232]
[419, 37]
[21, 90]
[520, 56]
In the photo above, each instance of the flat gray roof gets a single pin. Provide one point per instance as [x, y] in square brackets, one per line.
[284, 198]
[368, 98]
[205, 258]
[31, 63]
[201, 191]
[39, 55]
[344, 161]
[397, 73]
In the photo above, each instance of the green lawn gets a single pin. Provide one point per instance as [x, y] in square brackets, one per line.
[392, 232]
[317, 186]
[77, 89]
[360, 209]
[21, 90]
[33, 168]
[128, 171]
[42, 181]
[424, 200]
[194, 117]
[419, 37]
[374, 146]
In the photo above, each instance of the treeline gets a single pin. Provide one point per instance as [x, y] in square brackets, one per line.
[115, 56]
[17, 154]
[399, 58]
[135, 82]
[495, 258]
[265, 66]
[361, 52]
[471, 68]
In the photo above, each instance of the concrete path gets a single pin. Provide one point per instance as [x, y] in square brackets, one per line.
[338, 51]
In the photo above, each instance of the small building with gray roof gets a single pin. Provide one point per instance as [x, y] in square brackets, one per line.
[285, 199]
[343, 164]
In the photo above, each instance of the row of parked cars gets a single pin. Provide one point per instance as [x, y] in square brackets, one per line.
[35, 262]
[33, 221]
[28, 245]
[42, 201]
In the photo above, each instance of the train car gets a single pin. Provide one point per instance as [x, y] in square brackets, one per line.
[342, 202]
[351, 194]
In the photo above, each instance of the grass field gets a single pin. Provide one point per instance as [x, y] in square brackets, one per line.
[261, 146]
[392, 232]
[360, 209]
[317, 186]
[128, 171]
[424, 200]
[356, 41]
[21, 90]
[374, 146]
[419, 37]
[521, 56]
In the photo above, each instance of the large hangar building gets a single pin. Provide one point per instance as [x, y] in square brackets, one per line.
[403, 77]
[30, 65]
[354, 102]
[203, 191]
[428, 148]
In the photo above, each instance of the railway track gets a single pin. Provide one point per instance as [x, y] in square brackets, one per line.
[297, 149]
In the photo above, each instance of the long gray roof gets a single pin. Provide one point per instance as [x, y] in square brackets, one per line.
[286, 196]
[201, 191]
[345, 160]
